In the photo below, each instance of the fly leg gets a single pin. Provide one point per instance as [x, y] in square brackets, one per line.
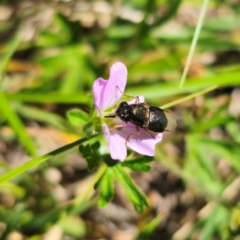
[126, 95]
[130, 96]
[146, 104]
[133, 134]
[149, 133]
[118, 126]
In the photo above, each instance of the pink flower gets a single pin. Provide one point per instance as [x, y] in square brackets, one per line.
[106, 95]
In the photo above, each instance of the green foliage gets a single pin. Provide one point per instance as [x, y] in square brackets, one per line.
[139, 164]
[214, 224]
[17, 125]
[91, 154]
[77, 117]
[50, 68]
[137, 198]
[106, 188]
[200, 161]
[146, 232]
[233, 129]
[10, 49]
[233, 229]
[5, 108]
[115, 170]
[62, 36]
[73, 227]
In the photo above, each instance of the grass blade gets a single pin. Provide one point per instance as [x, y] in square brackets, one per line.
[35, 161]
[11, 48]
[17, 125]
[194, 41]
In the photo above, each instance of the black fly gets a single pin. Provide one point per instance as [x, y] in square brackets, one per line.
[145, 116]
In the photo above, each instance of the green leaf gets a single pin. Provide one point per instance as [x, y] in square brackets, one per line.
[120, 31]
[17, 125]
[61, 34]
[41, 220]
[218, 117]
[36, 161]
[138, 199]
[216, 221]
[91, 154]
[77, 117]
[10, 49]
[6, 108]
[97, 124]
[73, 226]
[146, 232]
[140, 164]
[106, 189]
[75, 67]
[46, 97]
[233, 229]
[10, 188]
[233, 129]
[42, 115]
[191, 85]
[13, 220]
[95, 146]
[229, 151]
[200, 160]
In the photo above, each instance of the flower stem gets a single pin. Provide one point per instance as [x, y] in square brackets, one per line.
[173, 103]
[35, 161]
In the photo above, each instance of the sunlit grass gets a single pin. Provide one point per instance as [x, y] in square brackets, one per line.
[62, 60]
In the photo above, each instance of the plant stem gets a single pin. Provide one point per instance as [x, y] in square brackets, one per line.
[35, 161]
[194, 41]
[173, 103]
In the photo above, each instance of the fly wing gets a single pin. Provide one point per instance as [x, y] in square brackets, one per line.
[171, 121]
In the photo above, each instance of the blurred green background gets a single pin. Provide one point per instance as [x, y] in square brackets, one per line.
[50, 54]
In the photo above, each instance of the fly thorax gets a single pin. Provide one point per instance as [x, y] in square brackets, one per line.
[124, 111]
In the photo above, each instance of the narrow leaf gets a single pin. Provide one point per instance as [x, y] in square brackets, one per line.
[138, 199]
[106, 188]
[35, 161]
[11, 48]
[146, 232]
[16, 124]
[139, 164]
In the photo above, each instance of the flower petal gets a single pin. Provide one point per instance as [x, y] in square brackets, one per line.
[98, 91]
[142, 143]
[140, 98]
[116, 143]
[118, 78]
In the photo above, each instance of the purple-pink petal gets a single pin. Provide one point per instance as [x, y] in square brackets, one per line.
[145, 143]
[106, 93]
[140, 98]
[118, 78]
[116, 144]
[142, 143]
[98, 91]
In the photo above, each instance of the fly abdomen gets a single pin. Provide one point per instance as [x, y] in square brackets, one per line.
[157, 119]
